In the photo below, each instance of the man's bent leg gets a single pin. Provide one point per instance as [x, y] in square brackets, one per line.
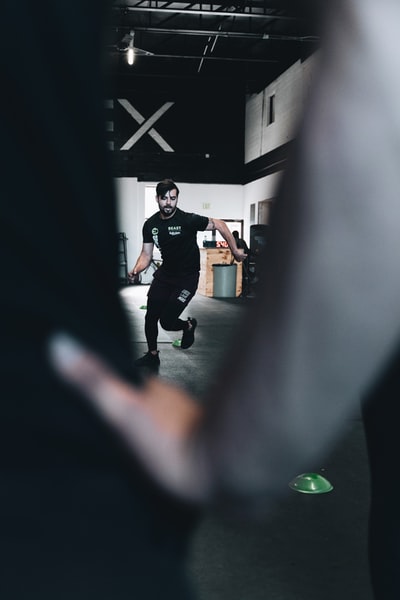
[178, 301]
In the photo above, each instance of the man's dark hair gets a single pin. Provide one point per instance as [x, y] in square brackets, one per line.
[166, 185]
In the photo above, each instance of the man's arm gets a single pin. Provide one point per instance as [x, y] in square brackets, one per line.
[143, 260]
[221, 226]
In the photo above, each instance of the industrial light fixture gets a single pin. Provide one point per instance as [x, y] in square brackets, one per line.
[131, 49]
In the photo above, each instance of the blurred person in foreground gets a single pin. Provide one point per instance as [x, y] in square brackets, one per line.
[98, 498]
[80, 518]
[324, 330]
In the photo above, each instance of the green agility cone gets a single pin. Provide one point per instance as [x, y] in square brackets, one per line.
[176, 344]
[311, 483]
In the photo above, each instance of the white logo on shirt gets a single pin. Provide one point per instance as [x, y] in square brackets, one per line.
[154, 233]
[174, 230]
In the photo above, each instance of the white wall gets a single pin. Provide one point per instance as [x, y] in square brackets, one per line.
[211, 200]
[129, 212]
[255, 192]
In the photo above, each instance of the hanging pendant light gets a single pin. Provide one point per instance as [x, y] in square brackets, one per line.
[130, 57]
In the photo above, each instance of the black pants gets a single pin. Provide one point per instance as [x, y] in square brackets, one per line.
[167, 298]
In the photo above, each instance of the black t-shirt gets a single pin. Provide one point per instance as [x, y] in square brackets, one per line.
[176, 240]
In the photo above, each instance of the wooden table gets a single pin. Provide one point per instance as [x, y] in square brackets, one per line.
[210, 256]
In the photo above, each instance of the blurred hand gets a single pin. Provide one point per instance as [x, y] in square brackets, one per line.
[134, 277]
[157, 421]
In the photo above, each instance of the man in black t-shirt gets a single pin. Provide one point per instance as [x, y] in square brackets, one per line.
[174, 232]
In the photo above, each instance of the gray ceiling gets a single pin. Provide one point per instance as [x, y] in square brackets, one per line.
[250, 42]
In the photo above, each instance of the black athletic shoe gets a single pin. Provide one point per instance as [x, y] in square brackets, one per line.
[188, 335]
[149, 362]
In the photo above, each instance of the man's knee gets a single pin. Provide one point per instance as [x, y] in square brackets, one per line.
[169, 322]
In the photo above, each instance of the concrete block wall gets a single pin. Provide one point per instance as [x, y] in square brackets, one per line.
[289, 92]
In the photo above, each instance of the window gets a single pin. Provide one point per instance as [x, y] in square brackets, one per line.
[264, 208]
[252, 214]
[271, 109]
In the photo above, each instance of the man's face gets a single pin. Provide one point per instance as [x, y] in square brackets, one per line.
[167, 203]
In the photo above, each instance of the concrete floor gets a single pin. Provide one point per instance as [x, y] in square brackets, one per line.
[312, 547]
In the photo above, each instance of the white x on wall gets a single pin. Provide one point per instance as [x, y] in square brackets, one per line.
[146, 126]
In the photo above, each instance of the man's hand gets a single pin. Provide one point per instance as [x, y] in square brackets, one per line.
[156, 421]
[133, 275]
[239, 255]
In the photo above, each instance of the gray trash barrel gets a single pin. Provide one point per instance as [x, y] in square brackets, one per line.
[224, 281]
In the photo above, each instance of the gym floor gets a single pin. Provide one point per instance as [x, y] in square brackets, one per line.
[312, 546]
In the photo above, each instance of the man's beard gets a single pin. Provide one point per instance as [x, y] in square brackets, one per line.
[168, 211]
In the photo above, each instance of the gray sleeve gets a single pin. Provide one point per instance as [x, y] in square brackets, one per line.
[327, 316]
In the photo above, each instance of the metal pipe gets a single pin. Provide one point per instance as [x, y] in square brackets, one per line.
[220, 58]
[228, 34]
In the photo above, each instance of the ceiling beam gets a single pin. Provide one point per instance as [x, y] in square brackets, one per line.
[206, 12]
